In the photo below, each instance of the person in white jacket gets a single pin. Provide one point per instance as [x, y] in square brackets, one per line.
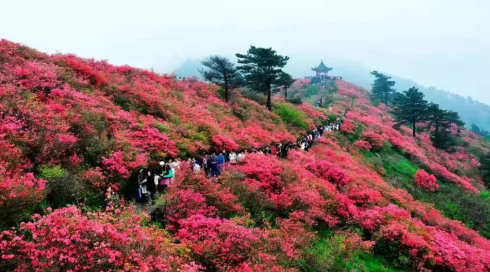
[233, 157]
[196, 168]
[241, 157]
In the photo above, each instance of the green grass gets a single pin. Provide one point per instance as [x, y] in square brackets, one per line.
[312, 90]
[332, 117]
[52, 173]
[335, 88]
[162, 128]
[330, 253]
[291, 116]
[399, 169]
[375, 263]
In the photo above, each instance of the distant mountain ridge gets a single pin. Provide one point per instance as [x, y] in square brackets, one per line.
[471, 111]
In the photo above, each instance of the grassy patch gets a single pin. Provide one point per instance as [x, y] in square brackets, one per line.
[291, 116]
[312, 90]
[331, 253]
[370, 262]
[51, 173]
[162, 128]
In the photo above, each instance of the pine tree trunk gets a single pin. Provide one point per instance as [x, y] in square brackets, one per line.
[226, 89]
[413, 128]
[269, 104]
[386, 95]
[437, 136]
[286, 93]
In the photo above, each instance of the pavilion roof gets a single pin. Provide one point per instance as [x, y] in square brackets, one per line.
[321, 68]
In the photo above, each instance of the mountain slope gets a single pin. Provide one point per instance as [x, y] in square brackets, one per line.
[70, 128]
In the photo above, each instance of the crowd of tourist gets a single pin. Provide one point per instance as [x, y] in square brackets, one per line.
[152, 182]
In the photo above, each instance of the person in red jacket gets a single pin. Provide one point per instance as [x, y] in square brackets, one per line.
[274, 150]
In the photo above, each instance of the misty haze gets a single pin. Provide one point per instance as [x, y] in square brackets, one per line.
[435, 43]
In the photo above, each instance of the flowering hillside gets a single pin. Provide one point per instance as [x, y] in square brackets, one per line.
[369, 197]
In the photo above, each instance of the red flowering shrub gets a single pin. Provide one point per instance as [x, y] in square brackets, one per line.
[443, 172]
[35, 76]
[413, 246]
[312, 112]
[95, 178]
[68, 240]
[348, 126]
[374, 139]
[222, 142]
[362, 144]
[263, 172]
[371, 219]
[184, 203]
[292, 238]
[456, 256]
[122, 165]
[150, 140]
[221, 244]
[217, 196]
[329, 172]
[300, 84]
[426, 181]
[351, 93]
[18, 193]
[85, 70]
[364, 196]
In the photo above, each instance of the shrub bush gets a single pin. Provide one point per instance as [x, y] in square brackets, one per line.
[311, 90]
[19, 196]
[426, 181]
[362, 144]
[296, 100]
[52, 173]
[257, 97]
[348, 126]
[374, 139]
[69, 240]
[221, 142]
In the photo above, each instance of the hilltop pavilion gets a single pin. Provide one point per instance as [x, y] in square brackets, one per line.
[322, 70]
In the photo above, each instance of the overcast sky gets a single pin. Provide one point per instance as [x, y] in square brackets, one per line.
[435, 43]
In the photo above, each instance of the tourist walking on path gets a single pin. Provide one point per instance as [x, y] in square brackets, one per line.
[213, 166]
[241, 156]
[196, 168]
[151, 186]
[150, 182]
[165, 175]
[142, 196]
[205, 165]
[221, 161]
[233, 157]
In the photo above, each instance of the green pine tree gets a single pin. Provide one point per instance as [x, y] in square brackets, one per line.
[485, 169]
[222, 72]
[262, 68]
[441, 120]
[410, 108]
[382, 89]
[477, 130]
[286, 81]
